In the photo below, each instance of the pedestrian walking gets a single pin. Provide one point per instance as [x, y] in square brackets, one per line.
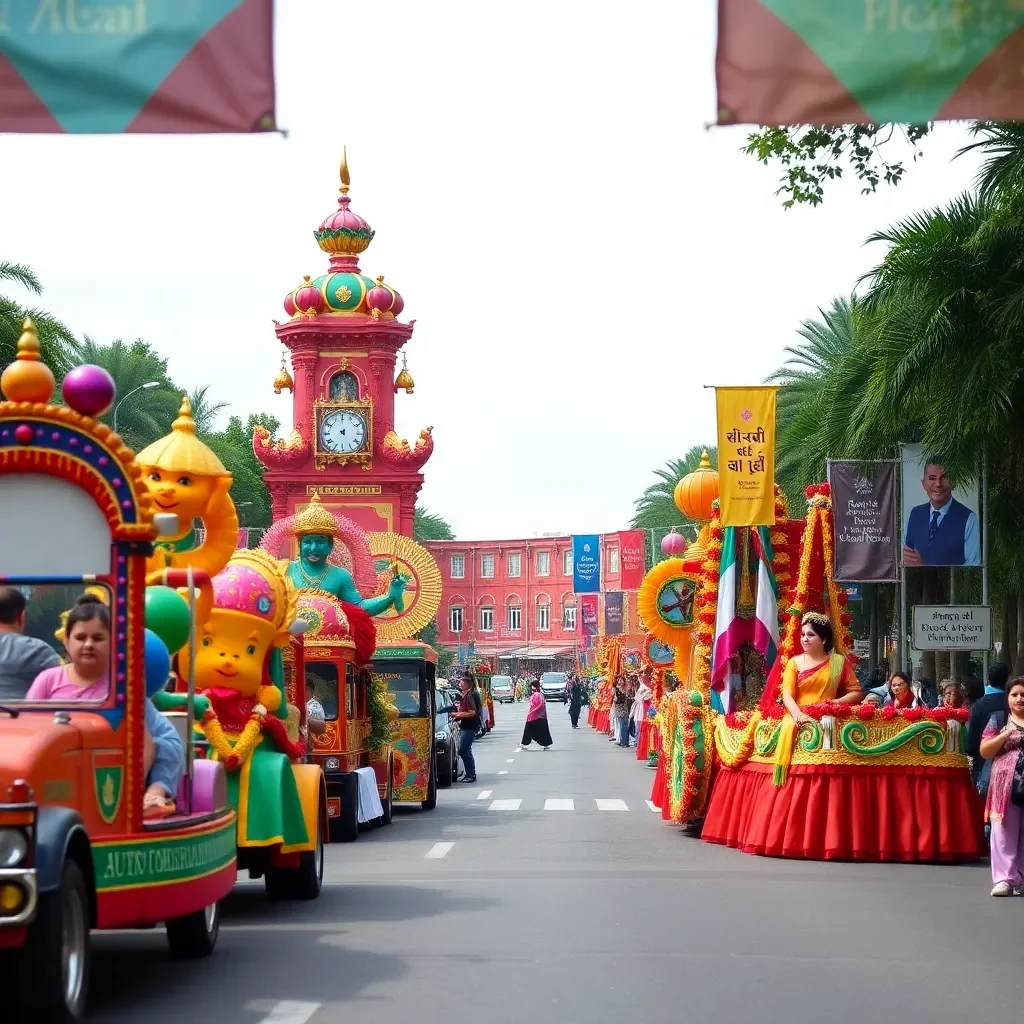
[468, 717]
[575, 701]
[622, 701]
[1003, 745]
[537, 719]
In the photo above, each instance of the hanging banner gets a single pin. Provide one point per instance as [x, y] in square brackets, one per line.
[613, 613]
[586, 564]
[632, 561]
[588, 618]
[140, 66]
[746, 455]
[864, 505]
[785, 62]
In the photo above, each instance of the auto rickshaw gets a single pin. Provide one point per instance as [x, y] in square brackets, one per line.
[409, 669]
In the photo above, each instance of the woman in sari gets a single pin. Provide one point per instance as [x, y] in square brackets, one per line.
[813, 677]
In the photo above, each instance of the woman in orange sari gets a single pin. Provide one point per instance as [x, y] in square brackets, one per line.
[813, 677]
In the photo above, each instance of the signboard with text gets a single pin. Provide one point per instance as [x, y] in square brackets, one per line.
[945, 627]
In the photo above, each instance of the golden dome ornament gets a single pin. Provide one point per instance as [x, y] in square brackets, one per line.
[283, 381]
[315, 519]
[404, 379]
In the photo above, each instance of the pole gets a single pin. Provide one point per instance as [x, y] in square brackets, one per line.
[141, 387]
[984, 548]
[903, 618]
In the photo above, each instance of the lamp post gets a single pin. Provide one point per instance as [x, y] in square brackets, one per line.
[141, 387]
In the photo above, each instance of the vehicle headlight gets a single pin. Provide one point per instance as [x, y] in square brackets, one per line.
[331, 764]
[13, 847]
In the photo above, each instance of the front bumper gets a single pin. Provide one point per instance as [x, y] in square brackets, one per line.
[24, 879]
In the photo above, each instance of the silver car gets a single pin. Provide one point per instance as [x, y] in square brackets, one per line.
[503, 690]
[552, 686]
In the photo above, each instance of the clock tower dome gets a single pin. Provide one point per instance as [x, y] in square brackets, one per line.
[343, 336]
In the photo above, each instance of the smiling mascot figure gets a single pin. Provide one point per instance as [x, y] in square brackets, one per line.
[239, 673]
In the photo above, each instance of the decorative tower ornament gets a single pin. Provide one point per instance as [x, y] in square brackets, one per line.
[283, 381]
[404, 379]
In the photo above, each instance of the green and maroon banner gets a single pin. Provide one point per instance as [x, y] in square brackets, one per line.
[869, 61]
[140, 66]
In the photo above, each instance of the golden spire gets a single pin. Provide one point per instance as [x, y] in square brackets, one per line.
[315, 519]
[346, 178]
[28, 343]
[28, 378]
[181, 451]
[705, 462]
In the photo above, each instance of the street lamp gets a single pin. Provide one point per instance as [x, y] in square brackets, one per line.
[141, 387]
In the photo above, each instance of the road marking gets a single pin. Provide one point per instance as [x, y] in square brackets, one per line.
[484, 794]
[612, 805]
[653, 806]
[503, 772]
[438, 850]
[505, 805]
[290, 1011]
[517, 750]
[559, 805]
[510, 760]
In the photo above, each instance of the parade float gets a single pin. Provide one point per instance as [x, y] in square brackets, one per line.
[847, 781]
[79, 849]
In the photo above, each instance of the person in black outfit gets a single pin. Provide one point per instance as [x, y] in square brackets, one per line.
[575, 701]
[982, 710]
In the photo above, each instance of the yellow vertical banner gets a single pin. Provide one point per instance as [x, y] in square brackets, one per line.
[746, 455]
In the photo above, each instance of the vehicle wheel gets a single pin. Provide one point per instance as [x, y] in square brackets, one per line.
[444, 771]
[431, 802]
[303, 882]
[53, 968]
[388, 803]
[195, 935]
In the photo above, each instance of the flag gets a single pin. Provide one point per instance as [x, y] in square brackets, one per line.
[864, 507]
[729, 627]
[785, 62]
[140, 66]
[746, 455]
[766, 612]
[613, 613]
[632, 548]
[586, 564]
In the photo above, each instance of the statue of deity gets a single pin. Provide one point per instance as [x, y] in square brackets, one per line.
[316, 530]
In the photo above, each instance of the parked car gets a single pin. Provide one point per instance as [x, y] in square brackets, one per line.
[552, 686]
[446, 737]
[503, 689]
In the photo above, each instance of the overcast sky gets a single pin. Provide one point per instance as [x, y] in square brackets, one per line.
[580, 254]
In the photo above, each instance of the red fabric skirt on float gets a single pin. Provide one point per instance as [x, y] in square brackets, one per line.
[601, 721]
[860, 813]
[591, 711]
[643, 741]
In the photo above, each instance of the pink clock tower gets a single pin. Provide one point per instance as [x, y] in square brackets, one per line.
[344, 336]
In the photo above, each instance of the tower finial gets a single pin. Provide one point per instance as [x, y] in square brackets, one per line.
[346, 178]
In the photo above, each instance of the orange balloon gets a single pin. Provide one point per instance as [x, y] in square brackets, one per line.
[696, 492]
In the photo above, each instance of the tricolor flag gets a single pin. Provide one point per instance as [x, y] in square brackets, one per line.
[728, 626]
[766, 614]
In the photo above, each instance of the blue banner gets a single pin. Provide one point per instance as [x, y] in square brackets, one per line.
[586, 564]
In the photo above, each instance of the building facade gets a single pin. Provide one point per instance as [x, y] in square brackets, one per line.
[512, 600]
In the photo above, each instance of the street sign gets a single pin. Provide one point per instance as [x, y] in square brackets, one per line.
[862, 648]
[945, 627]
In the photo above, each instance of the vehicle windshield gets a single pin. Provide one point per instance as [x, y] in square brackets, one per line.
[553, 679]
[403, 681]
[501, 682]
[43, 662]
[322, 683]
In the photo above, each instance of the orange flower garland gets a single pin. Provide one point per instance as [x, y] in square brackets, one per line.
[233, 756]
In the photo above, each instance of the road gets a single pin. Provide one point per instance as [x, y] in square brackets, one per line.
[551, 892]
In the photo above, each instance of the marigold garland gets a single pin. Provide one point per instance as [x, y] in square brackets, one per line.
[233, 755]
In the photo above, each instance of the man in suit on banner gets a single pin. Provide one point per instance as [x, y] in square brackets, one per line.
[943, 531]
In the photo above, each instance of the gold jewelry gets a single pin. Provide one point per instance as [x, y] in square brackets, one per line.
[818, 618]
[314, 583]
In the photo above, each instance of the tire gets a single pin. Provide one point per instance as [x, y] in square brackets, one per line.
[431, 802]
[388, 802]
[195, 935]
[444, 771]
[303, 882]
[51, 990]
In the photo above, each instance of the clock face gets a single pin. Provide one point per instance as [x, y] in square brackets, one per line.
[343, 432]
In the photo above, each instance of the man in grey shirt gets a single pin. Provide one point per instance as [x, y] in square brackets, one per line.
[22, 657]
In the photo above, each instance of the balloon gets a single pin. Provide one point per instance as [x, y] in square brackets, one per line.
[158, 663]
[168, 616]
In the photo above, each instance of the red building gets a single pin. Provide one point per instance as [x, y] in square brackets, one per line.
[512, 599]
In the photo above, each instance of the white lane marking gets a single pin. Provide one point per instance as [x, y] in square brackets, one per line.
[484, 794]
[612, 805]
[510, 760]
[503, 772]
[505, 805]
[559, 805]
[290, 1011]
[653, 806]
[438, 850]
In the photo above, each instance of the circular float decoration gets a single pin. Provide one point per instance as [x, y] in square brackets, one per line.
[657, 653]
[666, 601]
[393, 551]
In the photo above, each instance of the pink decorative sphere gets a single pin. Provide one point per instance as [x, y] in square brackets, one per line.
[673, 544]
[89, 390]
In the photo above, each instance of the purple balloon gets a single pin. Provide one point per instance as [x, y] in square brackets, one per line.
[89, 390]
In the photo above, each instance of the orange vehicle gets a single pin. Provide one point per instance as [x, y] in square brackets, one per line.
[76, 851]
[343, 690]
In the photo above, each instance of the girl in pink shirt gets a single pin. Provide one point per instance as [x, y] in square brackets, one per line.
[537, 719]
[87, 633]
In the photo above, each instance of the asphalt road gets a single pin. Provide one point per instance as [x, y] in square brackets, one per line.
[551, 892]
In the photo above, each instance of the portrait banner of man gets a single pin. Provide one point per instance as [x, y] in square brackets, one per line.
[940, 520]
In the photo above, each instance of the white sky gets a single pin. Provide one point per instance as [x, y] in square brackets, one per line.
[581, 255]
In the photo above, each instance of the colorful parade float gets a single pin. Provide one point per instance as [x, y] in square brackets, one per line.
[845, 780]
[80, 846]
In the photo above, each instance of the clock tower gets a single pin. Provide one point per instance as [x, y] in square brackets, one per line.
[343, 336]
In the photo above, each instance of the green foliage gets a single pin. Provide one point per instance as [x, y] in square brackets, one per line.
[233, 446]
[380, 722]
[811, 156]
[428, 526]
[56, 341]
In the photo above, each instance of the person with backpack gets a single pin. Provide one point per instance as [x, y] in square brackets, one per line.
[1003, 747]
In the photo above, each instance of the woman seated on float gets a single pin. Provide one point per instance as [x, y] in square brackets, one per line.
[813, 677]
[85, 678]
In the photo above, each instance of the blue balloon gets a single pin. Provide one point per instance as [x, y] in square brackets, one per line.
[158, 663]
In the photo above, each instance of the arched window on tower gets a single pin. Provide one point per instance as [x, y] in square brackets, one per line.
[344, 387]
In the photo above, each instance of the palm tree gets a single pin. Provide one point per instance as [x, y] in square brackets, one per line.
[204, 411]
[429, 526]
[57, 342]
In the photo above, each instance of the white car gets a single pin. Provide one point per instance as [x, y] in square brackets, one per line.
[552, 686]
[503, 690]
